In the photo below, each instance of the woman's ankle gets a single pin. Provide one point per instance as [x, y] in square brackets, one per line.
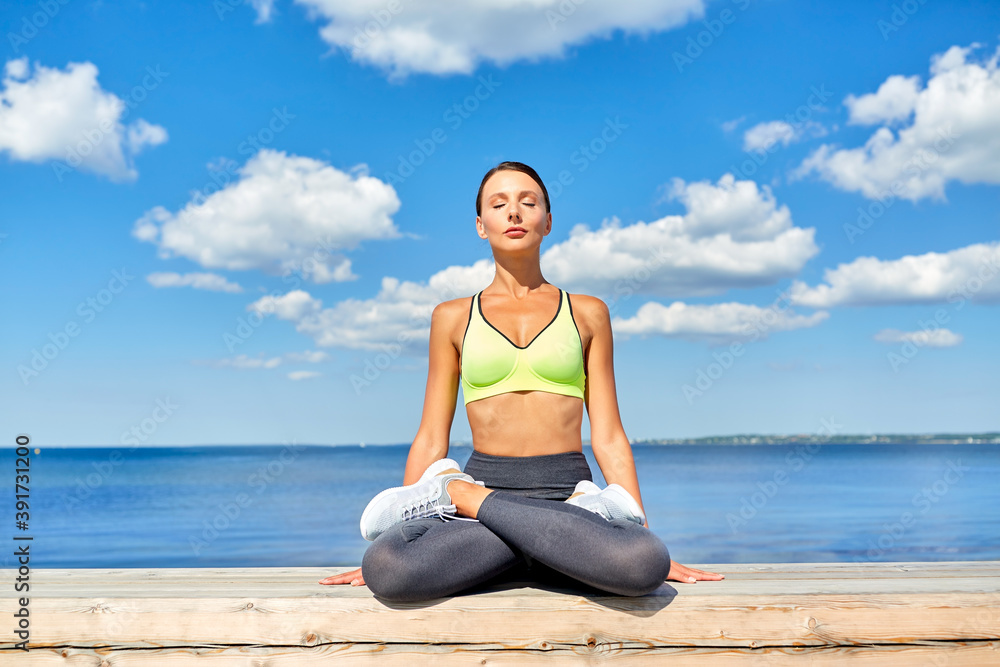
[467, 496]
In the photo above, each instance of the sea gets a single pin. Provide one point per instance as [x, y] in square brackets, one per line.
[298, 505]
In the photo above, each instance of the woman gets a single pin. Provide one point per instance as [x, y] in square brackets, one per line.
[526, 503]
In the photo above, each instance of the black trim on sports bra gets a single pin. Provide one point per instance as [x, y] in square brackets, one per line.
[558, 310]
[461, 354]
[569, 302]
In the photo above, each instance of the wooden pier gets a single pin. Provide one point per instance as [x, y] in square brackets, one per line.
[773, 614]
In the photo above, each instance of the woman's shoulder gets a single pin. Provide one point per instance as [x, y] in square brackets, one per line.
[590, 313]
[453, 309]
[587, 306]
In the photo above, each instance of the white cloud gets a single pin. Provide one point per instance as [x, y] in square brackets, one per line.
[733, 235]
[894, 100]
[763, 136]
[263, 8]
[303, 375]
[206, 281]
[309, 356]
[141, 133]
[293, 306]
[954, 134]
[398, 315]
[64, 115]
[968, 273]
[398, 318]
[715, 323]
[455, 37]
[730, 125]
[285, 213]
[243, 362]
[922, 338]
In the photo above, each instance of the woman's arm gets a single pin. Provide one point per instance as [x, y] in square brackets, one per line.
[440, 397]
[607, 435]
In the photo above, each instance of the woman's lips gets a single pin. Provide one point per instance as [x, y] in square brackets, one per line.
[516, 231]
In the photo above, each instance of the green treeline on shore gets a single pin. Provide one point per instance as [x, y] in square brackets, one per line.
[846, 439]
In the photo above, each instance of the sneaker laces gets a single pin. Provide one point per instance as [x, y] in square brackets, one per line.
[426, 507]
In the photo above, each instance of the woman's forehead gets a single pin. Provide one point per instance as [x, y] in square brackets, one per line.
[504, 181]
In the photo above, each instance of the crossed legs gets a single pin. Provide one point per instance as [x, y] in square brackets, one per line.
[425, 559]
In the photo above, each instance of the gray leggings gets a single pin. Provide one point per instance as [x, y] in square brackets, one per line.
[525, 530]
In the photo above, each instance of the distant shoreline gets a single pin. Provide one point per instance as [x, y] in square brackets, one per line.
[885, 439]
[989, 438]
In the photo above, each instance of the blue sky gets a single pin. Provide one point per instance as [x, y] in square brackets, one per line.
[229, 223]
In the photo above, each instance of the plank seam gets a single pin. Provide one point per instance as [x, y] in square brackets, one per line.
[942, 643]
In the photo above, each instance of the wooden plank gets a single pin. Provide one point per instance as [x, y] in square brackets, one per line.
[58, 580]
[735, 585]
[305, 583]
[285, 606]
[953, 655]
[807, 570]
[789, 620]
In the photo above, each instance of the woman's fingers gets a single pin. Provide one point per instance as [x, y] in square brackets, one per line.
[353, 577]
[703, 575]
[690, 575]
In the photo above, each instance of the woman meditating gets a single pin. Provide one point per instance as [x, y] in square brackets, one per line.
[528, 358]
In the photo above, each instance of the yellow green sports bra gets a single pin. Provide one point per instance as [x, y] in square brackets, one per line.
[552, 361]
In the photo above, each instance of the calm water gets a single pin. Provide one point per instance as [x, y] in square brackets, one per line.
[299, 506]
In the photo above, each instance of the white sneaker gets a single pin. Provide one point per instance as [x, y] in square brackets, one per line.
[612, 503]
[427, 497]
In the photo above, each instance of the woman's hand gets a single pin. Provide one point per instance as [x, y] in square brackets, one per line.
[354, 578]
[689, 575]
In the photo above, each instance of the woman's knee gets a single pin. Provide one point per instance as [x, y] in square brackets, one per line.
[644, 565]
[385, 569]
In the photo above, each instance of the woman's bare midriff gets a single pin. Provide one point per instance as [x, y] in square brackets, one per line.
[526, 423]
